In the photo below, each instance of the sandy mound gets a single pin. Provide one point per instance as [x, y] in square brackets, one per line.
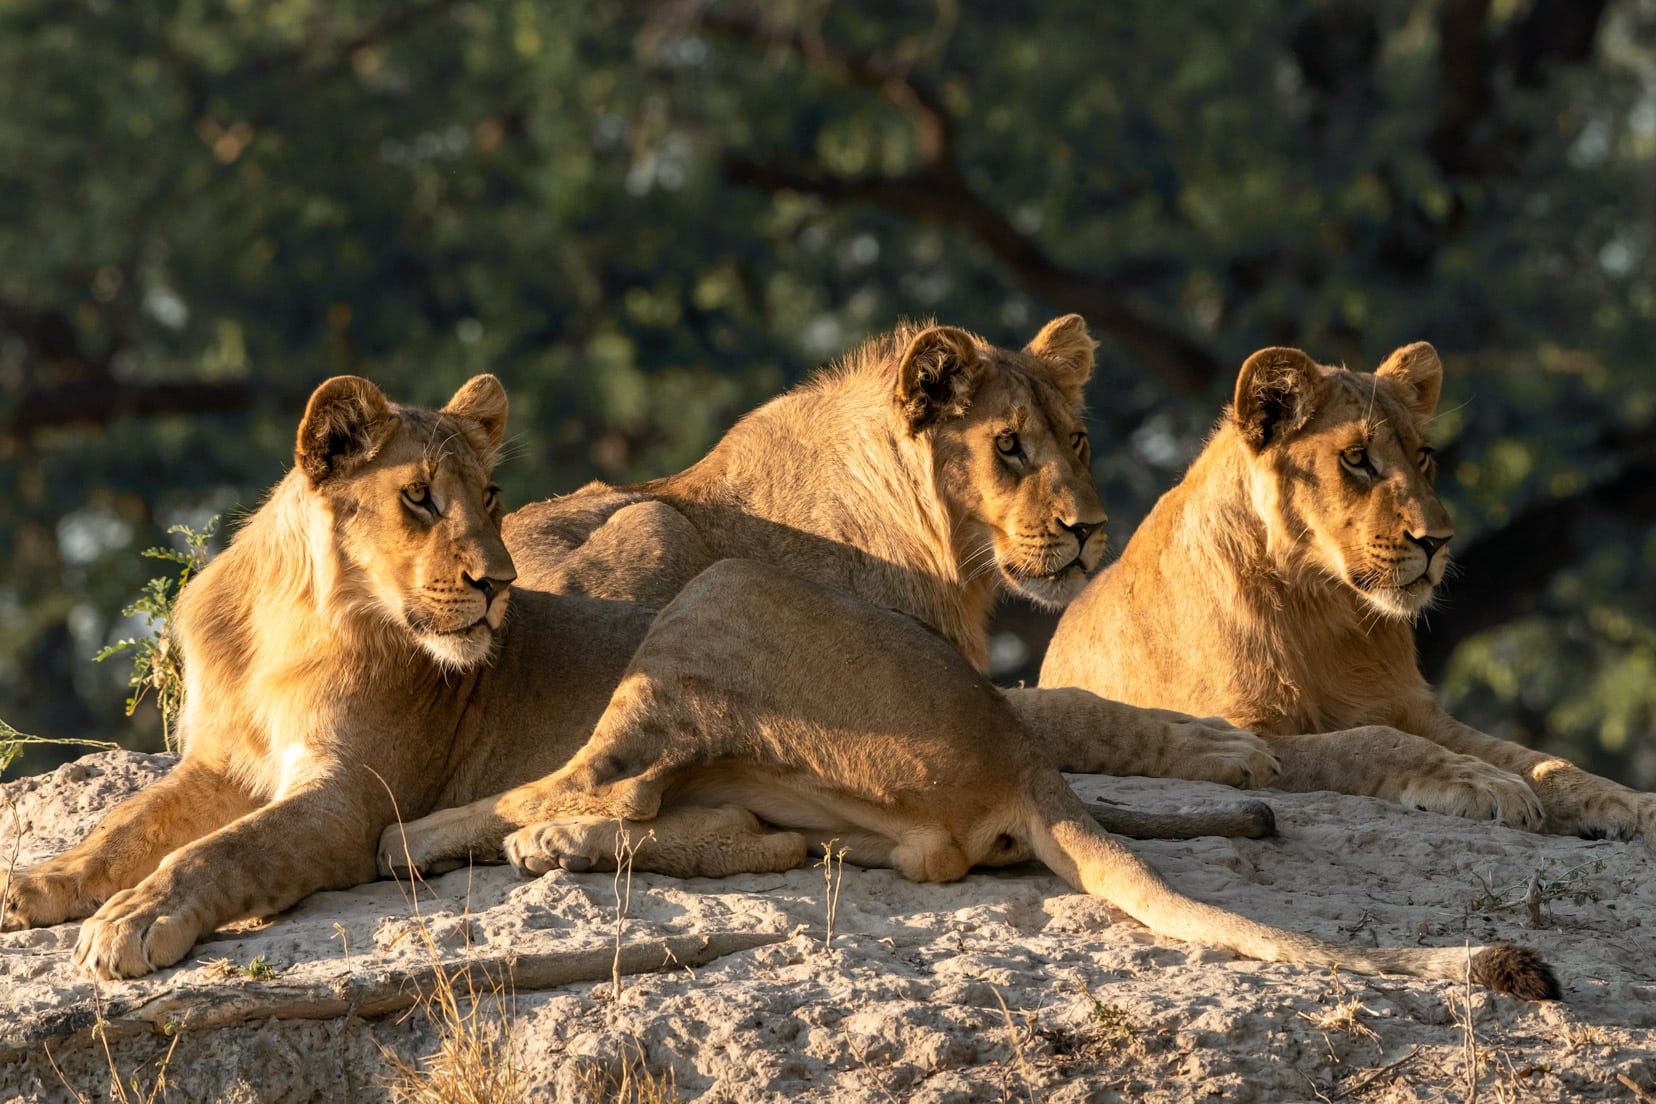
[1004, 986]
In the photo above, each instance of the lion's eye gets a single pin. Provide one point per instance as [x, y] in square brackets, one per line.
[418, 496]
[1355, 458]
[1078, 442]
[1424, 458]
[1007, 444]
[491, 497]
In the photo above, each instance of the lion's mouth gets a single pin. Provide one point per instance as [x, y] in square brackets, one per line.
[425, 624]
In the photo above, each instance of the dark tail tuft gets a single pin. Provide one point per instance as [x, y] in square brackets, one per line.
[1519, 971]
[1262, 817]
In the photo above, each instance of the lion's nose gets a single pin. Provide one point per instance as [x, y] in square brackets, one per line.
[1081, 529]
[487, 585]
[1430, 544]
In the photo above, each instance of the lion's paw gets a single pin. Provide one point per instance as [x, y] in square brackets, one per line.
[36, 898]
[1622, 814]
[433, 844]
[1218, 751]
[577, 844]
[1476, 790]
[135, 933]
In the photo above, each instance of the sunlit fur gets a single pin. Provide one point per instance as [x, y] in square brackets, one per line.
[344, 566]
[1352, 522]
[880, 476]
[1276, 572]
[1276, 586]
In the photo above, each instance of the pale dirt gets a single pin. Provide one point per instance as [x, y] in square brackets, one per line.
[907, 1004]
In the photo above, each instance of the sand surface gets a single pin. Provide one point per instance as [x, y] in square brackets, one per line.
[1004, 986]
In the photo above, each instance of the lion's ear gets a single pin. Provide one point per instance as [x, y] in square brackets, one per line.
[338, 428]
[936, 378]
[1420, 373]
[484, 399]
[1275, 394]
[1066, 341]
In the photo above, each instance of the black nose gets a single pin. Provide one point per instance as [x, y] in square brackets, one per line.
[1082, 530]
[487, 585]
[1429, 544]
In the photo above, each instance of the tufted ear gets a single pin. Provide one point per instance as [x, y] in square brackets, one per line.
[338, 428]
[1417, 369]
[1066, 341]
[483, 399]
[1275, 394]
[937, 375]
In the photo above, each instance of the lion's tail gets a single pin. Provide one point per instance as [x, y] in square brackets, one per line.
[1069, 841]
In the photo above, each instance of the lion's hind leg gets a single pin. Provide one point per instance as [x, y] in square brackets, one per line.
[603, 781]
[686, 841]
[190, 802]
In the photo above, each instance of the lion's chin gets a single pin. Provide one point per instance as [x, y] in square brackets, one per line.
[459, 650]
[1054, 591]
[1404, 603]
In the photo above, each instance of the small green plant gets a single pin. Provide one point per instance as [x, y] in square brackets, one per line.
[12, 743]
[156, 664]
[259, 969]
[1114, 1028]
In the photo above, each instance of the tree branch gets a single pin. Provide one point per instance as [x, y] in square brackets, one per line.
[100, 402]
[937, 192]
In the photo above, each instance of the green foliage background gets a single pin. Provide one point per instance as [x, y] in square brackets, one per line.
[648, 217]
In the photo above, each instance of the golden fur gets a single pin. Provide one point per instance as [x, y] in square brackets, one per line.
[335, 663]
[351, 659]
[1277, 584]
[757, 692]
[924, 473]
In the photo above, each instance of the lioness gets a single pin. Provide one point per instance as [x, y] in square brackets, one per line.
[336, 677]
[924, 472]
[335, 674]
[350, 656]
[1278, 583]
[852, 722]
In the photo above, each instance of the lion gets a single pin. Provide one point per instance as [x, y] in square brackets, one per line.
[363, 650]
[349, 660]
[1278, 584]
[927, 471]
[825, 717]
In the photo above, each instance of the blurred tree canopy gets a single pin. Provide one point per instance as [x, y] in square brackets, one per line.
[648, 217]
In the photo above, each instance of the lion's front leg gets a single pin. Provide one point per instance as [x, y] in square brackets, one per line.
[188, 803]
[1086, 734]
[1377, 761]
[318, 839]
[1576, 802]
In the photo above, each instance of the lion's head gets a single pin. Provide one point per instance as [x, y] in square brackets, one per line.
[414, 511]
[1010, 452]
[1341, 470]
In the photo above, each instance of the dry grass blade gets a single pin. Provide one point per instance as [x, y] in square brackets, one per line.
[128, 1089]
[833, 877]
[625, 849]
[627, 1079]
[1017, 1048]
[472, 1063]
